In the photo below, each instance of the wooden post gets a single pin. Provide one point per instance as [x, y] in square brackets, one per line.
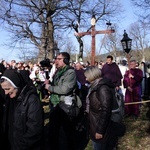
[93, 45]
[93, 33]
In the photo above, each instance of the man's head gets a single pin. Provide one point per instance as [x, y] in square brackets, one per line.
[109, 59]
[12, 83]
[62, 59]
[132, 64]
[78, 66]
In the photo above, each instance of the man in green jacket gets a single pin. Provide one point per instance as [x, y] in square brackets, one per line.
[63, 84]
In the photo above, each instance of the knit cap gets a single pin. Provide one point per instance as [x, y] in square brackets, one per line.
[13, 77]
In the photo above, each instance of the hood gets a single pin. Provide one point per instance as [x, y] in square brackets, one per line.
[26, 91]
[100, 82]
[107, 82]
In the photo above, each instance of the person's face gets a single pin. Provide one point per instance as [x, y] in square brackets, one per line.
[37, 72]
[59, 61]
[78, 66]
[109, 61]
[9, 89]
[132, 65]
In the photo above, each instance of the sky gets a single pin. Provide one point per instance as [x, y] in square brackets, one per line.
[9, 54]
[129, 14]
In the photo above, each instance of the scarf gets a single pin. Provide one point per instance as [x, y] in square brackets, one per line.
[55, 98]
[91, 87]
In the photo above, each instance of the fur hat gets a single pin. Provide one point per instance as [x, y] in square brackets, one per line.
[14, 77]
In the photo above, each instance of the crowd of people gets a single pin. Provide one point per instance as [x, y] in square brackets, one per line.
[23, 86]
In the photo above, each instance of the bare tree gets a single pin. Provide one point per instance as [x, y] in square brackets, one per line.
[26, 54]
[32, 21]
[111, 43]
[69, 46]
[37, 22]
[143, 10]
[102, 9]
[140, 41]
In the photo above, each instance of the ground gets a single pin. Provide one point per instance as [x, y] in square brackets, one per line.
[137, 136]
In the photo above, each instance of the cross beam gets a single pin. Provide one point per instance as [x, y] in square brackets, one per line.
[93, 33]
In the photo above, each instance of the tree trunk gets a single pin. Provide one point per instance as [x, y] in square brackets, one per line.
[50, 38]
[46, 49]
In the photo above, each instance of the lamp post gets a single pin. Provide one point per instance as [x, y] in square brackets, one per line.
[93, 33]
[126, 44]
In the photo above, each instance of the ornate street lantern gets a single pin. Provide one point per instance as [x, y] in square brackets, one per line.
[126, 42]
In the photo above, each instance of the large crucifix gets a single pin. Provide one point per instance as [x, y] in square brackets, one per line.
[92, 31]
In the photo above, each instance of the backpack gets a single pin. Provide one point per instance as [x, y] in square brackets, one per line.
[117, 115]
[118, 107]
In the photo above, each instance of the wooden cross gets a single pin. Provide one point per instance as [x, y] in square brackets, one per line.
[93, 33]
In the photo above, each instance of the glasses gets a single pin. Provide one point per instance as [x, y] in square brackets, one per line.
[58, 58]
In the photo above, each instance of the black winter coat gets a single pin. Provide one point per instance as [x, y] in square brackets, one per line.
[100, 106]
[2, 100]
[26, 130]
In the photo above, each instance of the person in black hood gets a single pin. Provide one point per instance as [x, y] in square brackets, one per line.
[99, 107]
[23, 113]
[2, 99]
[2, 69]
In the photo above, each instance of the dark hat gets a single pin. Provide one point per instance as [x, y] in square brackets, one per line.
[14, 77]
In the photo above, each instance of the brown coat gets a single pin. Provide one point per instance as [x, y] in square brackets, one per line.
[100, 106]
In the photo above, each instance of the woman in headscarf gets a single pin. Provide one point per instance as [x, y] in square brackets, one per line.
[23, 113]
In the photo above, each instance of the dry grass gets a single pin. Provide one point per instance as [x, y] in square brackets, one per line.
[136, 137]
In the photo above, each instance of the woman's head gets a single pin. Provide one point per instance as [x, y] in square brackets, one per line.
[12, 83]
[9, 89]
[92, 73]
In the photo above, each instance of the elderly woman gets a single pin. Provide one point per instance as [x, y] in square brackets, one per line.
[23, 113]
[99, 107]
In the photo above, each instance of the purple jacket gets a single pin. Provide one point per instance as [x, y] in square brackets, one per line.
[112, 72]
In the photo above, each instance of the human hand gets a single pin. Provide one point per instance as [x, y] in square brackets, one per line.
[117, 88]
[130, 89]
[98, 136]
[46, 81]
[130, 75]
[47, 86]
